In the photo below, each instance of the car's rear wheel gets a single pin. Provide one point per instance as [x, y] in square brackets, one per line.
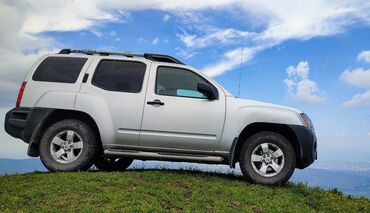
[110, 164]
[267, 158]
[68, 145]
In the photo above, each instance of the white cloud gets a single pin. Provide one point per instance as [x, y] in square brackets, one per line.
[308, 92]
[185, 53]
[21, 41]
[166, 17]
[111, 34]
[364, 56]
[277, 21]
[217, 37]
[299, 87]
[359, 100]
[14, 68]
[301, 71]
[306, 19]
[230, 61]
[282, 19]
[97, 33]
[18, 50]
[44, 15]
[358, 77]
[155, 40]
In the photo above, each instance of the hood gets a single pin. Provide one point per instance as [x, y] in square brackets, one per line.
[252, 103]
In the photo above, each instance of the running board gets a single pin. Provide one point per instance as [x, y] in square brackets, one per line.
[165, 156]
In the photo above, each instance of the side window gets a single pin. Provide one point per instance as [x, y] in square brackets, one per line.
[122, 76]
[59, 69]
[174, 81]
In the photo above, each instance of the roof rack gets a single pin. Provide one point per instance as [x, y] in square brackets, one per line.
[149, 56]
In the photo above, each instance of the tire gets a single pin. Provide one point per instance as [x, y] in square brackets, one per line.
[112, 164]
[75, 139]
[266, 168]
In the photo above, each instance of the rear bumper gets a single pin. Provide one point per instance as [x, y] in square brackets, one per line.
[307, 146]
[21, 122]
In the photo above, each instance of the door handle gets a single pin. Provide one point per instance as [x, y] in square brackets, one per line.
[155, 102]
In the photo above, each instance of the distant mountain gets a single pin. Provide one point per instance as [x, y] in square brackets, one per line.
[350, 182]
[348, 179]
[12, 166]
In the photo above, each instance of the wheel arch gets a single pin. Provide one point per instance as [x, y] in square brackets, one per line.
[55, 116]
[254, 128]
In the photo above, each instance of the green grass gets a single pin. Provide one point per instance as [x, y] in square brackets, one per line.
[163, 191]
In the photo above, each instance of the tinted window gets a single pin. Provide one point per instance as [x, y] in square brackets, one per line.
[59, 69]
[178, 82]
[123, 76]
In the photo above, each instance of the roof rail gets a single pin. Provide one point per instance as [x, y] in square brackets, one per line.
[149, 56]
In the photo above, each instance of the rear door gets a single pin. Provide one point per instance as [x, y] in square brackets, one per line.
[119, 86]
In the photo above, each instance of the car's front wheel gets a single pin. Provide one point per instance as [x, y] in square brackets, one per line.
[267, 158]
[68, 145]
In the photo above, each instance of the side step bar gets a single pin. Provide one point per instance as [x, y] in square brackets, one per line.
[178, 157]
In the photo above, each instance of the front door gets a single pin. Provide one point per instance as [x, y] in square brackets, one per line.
[176, 115]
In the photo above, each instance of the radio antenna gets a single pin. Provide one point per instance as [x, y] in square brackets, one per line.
[240, 71]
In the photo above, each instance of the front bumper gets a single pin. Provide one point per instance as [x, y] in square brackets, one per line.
[21, 122]
[306, 146]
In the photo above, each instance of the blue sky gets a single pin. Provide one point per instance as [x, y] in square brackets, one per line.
[310, 55]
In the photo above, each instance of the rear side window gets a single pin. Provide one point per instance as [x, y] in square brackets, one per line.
[122, 76]
[59, 69]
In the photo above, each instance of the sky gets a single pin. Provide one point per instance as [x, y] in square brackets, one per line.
[312, 55]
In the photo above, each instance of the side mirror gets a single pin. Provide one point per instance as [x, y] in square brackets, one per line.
[208, 91]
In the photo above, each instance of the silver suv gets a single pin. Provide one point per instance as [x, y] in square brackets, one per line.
[83, 107]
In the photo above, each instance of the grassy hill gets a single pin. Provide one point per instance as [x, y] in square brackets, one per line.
[161, 191]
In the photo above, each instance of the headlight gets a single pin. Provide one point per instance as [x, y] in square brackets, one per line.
[307, 121]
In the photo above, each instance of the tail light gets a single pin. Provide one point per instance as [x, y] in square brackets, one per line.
[20, 94]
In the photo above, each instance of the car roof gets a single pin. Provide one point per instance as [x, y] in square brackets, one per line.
[149, 56]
